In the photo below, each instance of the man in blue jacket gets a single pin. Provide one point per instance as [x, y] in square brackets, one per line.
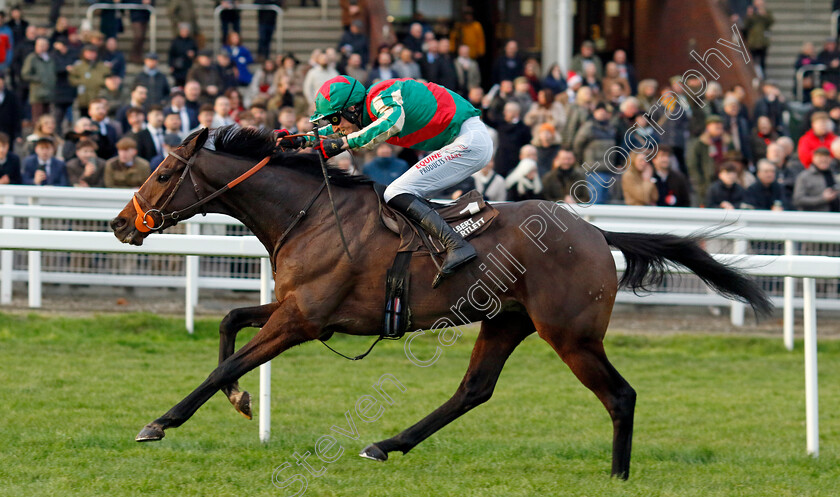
[42, 168]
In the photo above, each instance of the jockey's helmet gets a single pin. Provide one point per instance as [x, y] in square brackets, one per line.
[335, 98]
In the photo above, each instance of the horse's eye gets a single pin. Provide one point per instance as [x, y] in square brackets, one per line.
[163, 178]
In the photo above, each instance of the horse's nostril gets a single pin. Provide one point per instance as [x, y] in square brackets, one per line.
[117, 223]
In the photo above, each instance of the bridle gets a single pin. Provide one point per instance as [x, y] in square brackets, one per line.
[153, 219]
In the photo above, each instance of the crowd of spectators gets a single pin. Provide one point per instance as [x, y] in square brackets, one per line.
[76, 111]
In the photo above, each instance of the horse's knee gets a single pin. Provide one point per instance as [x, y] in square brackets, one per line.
[623, 404]
[474, 392]
[228, 324]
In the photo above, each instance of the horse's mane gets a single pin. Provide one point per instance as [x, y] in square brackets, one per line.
[252, 143]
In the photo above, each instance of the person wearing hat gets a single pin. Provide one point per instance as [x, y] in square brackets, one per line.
[705, 153]
[88, 75]
[816, 187]
[819, 135]
[154, 80]
[126, 170]
[42, 168]
[409, 114]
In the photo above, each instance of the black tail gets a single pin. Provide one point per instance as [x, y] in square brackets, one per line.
[646, 257]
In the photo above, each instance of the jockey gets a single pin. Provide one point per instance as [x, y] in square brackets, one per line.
[411, 114]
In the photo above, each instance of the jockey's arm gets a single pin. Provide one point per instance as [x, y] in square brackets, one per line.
[389, 121]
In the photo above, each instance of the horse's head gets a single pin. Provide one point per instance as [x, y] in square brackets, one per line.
[158, 203]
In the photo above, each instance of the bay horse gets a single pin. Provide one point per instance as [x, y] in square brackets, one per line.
[561, 285]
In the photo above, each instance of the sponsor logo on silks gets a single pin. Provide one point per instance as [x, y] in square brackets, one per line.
[467, 226]
[437, 159]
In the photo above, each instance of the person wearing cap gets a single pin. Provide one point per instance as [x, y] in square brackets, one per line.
[705, 154]
[587, 57]
[816, 187]
[126, 170]
[154, 80]
[591, 143]
[819, 135]
[410, 114]
[88, 75]
[182, 52]
[40, 73]
[42, 168]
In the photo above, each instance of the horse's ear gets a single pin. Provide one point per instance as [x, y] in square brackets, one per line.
[197, 142]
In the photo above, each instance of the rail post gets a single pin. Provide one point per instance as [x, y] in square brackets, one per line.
[790, 293]
[266, 297]
[812, 433]
[34, 263]
[191, 284]
[6, 259]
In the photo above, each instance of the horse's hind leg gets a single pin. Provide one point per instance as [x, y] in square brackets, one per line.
[496, 341]
[235, 320]
[588, 361]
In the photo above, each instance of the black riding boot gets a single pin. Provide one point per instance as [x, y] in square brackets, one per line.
[458, 250]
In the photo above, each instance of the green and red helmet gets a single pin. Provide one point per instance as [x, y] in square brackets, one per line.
[336, 95]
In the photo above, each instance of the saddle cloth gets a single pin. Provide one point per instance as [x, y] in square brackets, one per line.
[469, 215]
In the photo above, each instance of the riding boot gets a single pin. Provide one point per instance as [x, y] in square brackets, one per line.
[458, 250]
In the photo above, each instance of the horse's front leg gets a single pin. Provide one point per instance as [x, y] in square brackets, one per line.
[235, 320]
[285, 328]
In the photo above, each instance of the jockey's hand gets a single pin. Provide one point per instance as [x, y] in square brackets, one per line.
[331, 147]
[287, 144]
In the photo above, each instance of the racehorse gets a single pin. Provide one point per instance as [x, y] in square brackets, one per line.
[561, 284]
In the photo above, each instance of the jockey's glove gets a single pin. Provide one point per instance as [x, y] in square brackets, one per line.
[292, 143]
[331, 147]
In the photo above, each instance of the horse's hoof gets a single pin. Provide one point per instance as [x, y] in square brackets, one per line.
[242, 403]
[374, 452]
[150, 433]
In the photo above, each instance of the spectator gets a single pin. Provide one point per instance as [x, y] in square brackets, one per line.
[136, 118]
[98, 112]
[726, 193]
[88, 75]
[178, 105]
[737, 127]
[86, 169]
[126, 170]
[83, 128]
[355, 70]
[149, 141]
[637, 181]
[382, 70]
[648, 94]
[6, 43]
[490, 184]
[591, 79]
[40, 72]
[763, 136]
[229, 16]
[509, 65]
[470, 33]
[586, 58]
[266, 25]
[17, 24]
[579, 113]
[616, 87]
[523, 183]
[172, 125]
[592, 141]
[807, 56]
[262, 83]
[45, 127]
[113, 58]
[170, 142]
[385, 168]
[788, 167]
[757, 27]
[627, 117]
[222, 108]
[705, 154]
[545, 110]
[260, 114]
[447, 73]
[227, 70]
[154, 80]
[819, 103]
[113, 93]
[185, 13]
[816, 137]
[206, 75]
[65, 93]
[320, 74]
[182, 52]
[773, 106]
[22, 49]
[287, 118]
[240, 56]
[9, 163]
[554, 80]
[405, 67]
[713, 100]
[815, 188]
[414, 40]
[830, 56]
[42, 168]
[139, 25]
[522, 93]
[626, 69]
[354, 41]
[516, 135]
[192, 96]
[675, 123]
[138, 99]
[10, 112]
[206, 118]
[547, 142]
[566, 181]
[766, 193]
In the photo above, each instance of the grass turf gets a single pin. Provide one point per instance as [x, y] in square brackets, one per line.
[716, 416]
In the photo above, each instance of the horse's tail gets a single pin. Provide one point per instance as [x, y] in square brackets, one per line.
[646, 256]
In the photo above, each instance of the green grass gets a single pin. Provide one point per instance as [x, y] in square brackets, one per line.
[716, 416]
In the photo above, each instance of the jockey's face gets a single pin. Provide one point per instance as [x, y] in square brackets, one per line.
[345, 127]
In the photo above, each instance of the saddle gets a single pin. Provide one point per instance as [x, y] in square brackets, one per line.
[469, 215]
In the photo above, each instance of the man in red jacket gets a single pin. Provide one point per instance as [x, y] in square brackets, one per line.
[818, 136]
